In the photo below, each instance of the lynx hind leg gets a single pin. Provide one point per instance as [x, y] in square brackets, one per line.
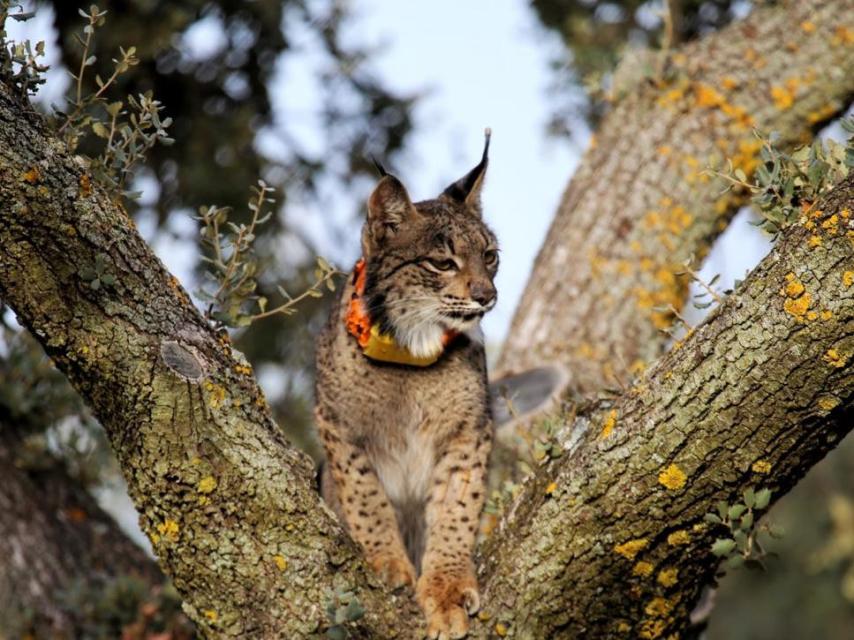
[365, 508]
[447, 589]
[328, 491]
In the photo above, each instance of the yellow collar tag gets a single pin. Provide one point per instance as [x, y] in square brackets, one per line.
[383, 347]
[376, 345]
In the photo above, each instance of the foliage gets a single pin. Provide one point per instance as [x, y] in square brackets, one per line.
[19, 66]
[742, 545]
[342, 606]
[128, 134]
[803, 593]
[786, 185]
[234, 267]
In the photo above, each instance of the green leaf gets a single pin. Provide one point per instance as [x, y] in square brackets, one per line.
[336, 633]
[354, 610]
[734, 562]
[723, 509]
[750, 498]
[740, 539]
[113, 108]
[763, 498]
[735, 511]
[747, 522]
[712, 518]
[100, 130]
[723, 547]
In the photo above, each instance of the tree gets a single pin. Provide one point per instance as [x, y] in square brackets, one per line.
[755, 395]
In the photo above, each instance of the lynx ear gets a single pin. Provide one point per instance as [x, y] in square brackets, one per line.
[467, 189]
[389, 206]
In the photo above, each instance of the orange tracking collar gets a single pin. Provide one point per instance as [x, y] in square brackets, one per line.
[377, 345]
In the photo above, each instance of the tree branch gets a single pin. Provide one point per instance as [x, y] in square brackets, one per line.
[755, 396]
[640, 203]
[229, 505]
[55, 539]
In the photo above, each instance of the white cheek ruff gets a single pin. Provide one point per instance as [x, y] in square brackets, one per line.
[422, 340]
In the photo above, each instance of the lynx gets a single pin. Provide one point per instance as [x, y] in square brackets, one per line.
[402, 399]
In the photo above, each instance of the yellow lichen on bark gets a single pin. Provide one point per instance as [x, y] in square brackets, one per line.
[206, 485]
[828, 403]
[761, 466]
[169, 528]
[835, 358]
[608, 425]
[652, 629]
[782, 97]
[672, 477]
[678, 538]
[668, 577]
[659, 607]
[631, 548]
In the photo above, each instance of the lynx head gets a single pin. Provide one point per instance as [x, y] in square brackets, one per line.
[430, 264]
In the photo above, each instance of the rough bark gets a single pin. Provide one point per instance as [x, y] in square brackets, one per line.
[229, 506]
[753, 397]
[640, 203]
[54, 539]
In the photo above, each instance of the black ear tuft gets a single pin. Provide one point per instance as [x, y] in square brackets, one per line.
[380, 168]
[467, 189]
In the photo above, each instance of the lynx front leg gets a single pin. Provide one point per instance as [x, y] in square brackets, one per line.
[447, 588]
[366, 509]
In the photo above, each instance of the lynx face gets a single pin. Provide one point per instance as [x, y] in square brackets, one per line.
[430, 265]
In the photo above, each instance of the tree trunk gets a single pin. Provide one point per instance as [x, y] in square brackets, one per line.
[55, 540]
[640, 203]
[231, 508]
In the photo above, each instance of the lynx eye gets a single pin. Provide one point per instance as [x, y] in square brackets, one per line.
[490, 257]
[442, 264]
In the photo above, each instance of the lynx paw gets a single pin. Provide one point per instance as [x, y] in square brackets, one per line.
[448, 600]
[395, 571]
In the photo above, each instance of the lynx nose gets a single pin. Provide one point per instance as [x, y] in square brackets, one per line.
[483, 293]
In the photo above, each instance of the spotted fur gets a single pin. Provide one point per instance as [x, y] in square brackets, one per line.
[407, 447]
